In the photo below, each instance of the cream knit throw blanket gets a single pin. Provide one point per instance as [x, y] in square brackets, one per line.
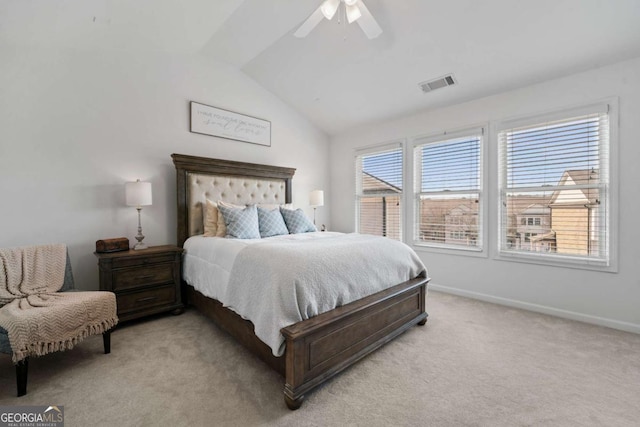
[38, 319]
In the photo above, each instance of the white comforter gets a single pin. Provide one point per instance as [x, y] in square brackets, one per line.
[278, 281]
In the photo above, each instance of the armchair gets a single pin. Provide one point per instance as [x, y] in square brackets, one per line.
[22, 365]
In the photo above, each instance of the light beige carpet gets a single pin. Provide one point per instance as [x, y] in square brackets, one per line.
[473, 364]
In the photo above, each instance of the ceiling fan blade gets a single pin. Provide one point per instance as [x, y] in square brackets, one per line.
[309, 24]
[367, 22]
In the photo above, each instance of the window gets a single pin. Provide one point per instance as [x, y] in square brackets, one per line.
[558, 168]
[379, 192]
[448, 190]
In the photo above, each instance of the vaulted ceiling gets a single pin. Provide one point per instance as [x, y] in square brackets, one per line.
[336, 76]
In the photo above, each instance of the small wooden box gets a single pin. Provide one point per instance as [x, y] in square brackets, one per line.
[112, 245]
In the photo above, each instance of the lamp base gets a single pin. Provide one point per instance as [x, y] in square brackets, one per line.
[140, 237]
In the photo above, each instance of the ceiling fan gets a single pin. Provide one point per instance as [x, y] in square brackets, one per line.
[355, 10]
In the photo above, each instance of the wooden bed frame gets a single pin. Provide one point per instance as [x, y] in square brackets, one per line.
[320, 347]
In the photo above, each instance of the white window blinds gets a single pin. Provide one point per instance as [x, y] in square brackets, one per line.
[379, 176]
[448, 190]
[554, 177]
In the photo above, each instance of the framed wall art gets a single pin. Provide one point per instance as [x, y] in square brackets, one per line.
[208, 120]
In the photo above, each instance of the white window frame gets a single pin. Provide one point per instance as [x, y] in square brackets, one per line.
[478, 251]
[611, 241]
[374, 149]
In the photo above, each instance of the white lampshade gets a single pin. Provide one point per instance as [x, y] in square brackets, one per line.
[138, 193]
[316, 198]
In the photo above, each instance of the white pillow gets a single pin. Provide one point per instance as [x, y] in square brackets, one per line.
[272, 206]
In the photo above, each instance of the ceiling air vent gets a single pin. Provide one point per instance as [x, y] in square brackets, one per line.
[437, 83]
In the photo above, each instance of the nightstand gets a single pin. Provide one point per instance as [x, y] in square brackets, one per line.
[145, 281]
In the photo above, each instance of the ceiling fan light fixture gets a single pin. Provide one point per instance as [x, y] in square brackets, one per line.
[353, 12]
[329, 8]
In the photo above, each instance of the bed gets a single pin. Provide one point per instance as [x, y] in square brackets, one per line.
[318, 348]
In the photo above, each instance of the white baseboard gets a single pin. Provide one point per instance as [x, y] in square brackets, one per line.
[572, 315]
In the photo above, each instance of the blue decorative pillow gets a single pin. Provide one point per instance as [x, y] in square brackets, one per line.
[241, 223]
[271, 223]
[297, 221]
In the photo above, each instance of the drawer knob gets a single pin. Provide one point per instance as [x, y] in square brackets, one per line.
[148, 276]
[147, 299]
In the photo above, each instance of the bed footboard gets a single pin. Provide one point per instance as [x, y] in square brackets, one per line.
[321, 347]
[242, 330]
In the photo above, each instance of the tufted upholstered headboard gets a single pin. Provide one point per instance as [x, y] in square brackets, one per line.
[201, 178]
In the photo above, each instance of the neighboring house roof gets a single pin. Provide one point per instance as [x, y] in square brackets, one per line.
[579, 196]
[520, 203]
[438, 206]
[462, 210]
[371, 184]
[535, 209]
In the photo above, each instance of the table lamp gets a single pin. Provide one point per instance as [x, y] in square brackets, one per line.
[138, 194]
[316, 198]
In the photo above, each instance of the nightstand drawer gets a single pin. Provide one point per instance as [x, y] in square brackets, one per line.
[145, 299]
[128, 278]
[137, 261]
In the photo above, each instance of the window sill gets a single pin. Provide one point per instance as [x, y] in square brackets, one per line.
[471, 252]
[558, 262]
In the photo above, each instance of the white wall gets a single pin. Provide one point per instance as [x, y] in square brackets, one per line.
[75, 126]
[605, 298]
